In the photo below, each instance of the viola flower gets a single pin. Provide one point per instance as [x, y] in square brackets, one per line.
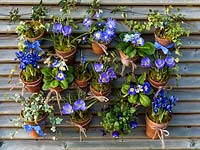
[111, 23]
[140, 42]
[133, 124]
[115, 134]
[127, 38]
[132, 90]
[98, 67]
[146, 62]
[79, 105]
[146, 87]
[170, 62]
[159, 63]
[67, 109]
[97, 35]
[87, 22]
[103, 78]
[66, 30]
[60, 76]
[111, 73]
[57, 27]
[55, 63]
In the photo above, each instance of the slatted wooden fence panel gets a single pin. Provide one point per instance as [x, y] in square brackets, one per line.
[185, 126]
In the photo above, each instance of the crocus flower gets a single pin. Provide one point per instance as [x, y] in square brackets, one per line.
[133, 124]
[111, 23]
[140, 42]
[67, 109]
[60, 76]
[115, 134]
[103, 78]
[170, 62]
[98, 67]
[111, 73]
[98, 35]
[66, 30]
[132, 90]
[57, 27]
[146, 87]
[159, 63]
[87, 22]
[79, 105]
[146, 62]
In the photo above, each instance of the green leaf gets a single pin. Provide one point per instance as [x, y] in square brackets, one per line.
[64, 84]
[46, 86]
[147, 49]
[142, 78]
[133, 99]
[129, 79]
[130, 52]
[69, 78]
[46, 71]
[121, 46]
[132, 110]
[125, 88]
[144, 100]
[54, 83]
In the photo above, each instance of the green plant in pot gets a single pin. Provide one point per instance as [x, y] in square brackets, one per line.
[139, 92]
[168, 28]
[118, 119]
[34, 114]
[57, 76]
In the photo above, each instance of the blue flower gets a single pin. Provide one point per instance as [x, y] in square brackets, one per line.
[55, 63]
[60, 76]
[136, 35]
[111, 73]
[146, 87]
[79, 105]
[132, 90]
[110, 32]
[111, 23]
[105, 37]
[98, 67]
[103, 78]
[100, 24]
[115, 134]
[133, 124]
[83, 59]
[159, 63]
[140, 42]
[67, 109]
[87, 22]
[98, 15]
[170, 62]
[66, 30]
[19, 54]
[119, 117]
[98, 35]
[57, 27]
[146, 62]
[127, 38]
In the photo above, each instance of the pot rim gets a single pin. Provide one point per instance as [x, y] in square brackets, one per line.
[33, 82]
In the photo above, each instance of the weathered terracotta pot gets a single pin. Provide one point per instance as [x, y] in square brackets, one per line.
[97, 93]
[33, 133]
[151, 126]
[69, 55]
[35, 38]
[85, 123]
[162, 41]
[155, 84]
[82, 83]
[58, 89]
[33, 87]
[97, 49]
[126, 60]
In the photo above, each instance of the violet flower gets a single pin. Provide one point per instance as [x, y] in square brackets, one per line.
[103, 78]
[66, 30]
[111, 73]
[170, 62]
[146, 62]
[57, 27]
[67, 109]
[98, 67]
[115, 134]
[159, 63]
[79, 105]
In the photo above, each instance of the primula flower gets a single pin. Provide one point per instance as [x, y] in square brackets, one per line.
[115, 134]
[98, 35]
[146, 62]
[139, 88]
[170, 62]
[87, 22]
[60, 76]
[111, 23]
[140, 42]
[132, 90]
[98, 67]
[159, 63]
[79, 105]
[57, 27]
[55, 63]
[67, 109]
[133, 124]
[103, 78]
[127, 38]
[66, 30]
[146, 87]
[111, 73]
[136, 35]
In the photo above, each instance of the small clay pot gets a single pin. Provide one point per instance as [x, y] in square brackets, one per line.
[155, 84]
[35, 38]
[33, 133]
[126, 60]
[33, 87]
[97, 93]
[150, 128]
[85, 123]
[97, 49]
[69, 55]
[162, 41]
[82, 83]
[58, 89]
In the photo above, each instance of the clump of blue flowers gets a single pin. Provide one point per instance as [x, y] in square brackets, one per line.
[162, 108]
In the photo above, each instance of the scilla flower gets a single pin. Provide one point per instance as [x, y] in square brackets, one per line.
[170, 62]
[146, 62]
[66, 30]
[159, 63]
[60, 76]
[67, 109]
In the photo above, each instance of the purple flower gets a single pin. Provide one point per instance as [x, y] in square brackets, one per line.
[115, 134]
[133, 124]
[111, 73]
[60, 76]
[103, 78]
[87, 22]
[132, 90]
[159, 63]
[110, 32]
[100, 24]
[98, 35]
[55, 63]
[146, 62]
[66, 30]
[111, 23]
[140, 42]
[105, 37]
[146, 87]
[98, 67]
[136, 35]
[57, 27]
[79, 105]
[170, 62]
[97, 15]
[67, 109]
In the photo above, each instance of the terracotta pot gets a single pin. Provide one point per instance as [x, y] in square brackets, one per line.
[97, 93]
[35, 38]
[58, 89]
[33, 133]
[155, 84]
[82, 83]
[126, 60]
[33, 87]
[85, 123]
[164, 42]
[69, 55]
[97, 49]
[150, 128]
